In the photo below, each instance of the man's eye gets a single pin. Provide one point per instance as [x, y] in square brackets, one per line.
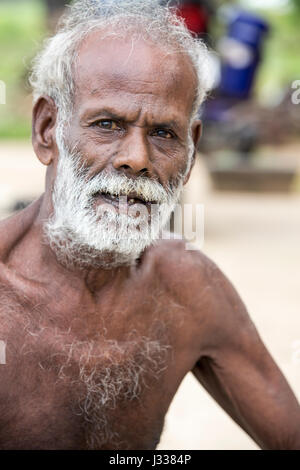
[107, 124]
[163, 133]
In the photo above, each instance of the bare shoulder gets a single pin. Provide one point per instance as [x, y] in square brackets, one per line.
[185, 273]
[14, 227]
[181, 268]
[9, 234]
[214, 305]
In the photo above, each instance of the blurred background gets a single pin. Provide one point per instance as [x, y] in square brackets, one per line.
[246, 174]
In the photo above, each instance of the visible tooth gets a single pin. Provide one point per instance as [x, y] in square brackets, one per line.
[131, 201]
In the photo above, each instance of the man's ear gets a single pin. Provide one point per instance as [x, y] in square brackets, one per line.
[196, 136]
[43, 129]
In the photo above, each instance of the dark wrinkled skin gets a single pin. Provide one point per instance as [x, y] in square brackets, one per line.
[199, 312]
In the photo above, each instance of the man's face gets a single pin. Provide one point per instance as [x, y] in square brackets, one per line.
[132, 108]
[130, 127]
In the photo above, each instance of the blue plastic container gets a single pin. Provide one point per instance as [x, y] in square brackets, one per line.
[241, 50]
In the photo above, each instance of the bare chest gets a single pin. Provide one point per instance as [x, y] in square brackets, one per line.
[97, 390]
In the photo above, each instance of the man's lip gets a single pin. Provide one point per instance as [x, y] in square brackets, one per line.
[136, 197]
[131, 198]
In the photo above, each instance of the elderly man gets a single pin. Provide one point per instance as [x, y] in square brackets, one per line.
[101, 315]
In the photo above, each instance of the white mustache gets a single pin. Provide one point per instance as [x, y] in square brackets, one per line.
[121, 185]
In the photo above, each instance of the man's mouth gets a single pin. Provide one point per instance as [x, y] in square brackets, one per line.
[121, 199]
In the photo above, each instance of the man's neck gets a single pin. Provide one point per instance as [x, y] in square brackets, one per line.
[29, 260]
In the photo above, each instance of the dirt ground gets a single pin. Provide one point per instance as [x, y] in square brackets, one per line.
[254, 238]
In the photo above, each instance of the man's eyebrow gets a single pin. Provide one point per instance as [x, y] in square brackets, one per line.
[168, 125]
[104, 112]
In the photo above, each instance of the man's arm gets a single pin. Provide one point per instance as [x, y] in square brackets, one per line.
[240, 374]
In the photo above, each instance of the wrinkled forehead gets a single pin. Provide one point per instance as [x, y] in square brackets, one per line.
[140, 70]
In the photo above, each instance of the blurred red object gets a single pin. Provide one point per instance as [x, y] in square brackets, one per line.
[195, 17]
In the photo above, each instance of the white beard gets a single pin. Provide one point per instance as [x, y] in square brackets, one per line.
[83, 236]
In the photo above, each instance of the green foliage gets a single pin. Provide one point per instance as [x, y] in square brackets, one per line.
[281, 65]
[296, 4]
[22, 27]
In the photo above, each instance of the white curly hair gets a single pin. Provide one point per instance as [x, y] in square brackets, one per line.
[53, 67]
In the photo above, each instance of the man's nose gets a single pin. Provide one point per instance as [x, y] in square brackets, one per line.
[134, 154]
